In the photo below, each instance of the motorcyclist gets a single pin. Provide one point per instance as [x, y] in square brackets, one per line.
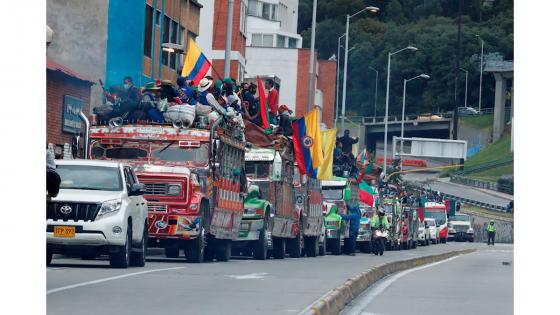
[379, 220]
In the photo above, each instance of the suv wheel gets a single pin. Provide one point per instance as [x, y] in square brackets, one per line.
[121, 259]
[138, 259]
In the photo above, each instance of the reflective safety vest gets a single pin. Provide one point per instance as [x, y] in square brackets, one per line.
[491, 228]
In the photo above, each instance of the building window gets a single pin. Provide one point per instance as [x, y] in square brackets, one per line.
[262, 40]
[173, 39]
[256, 40]
[280, 41]
[165, 39]
[148, 31]
[243, 19]
[265, 11]
[292, 42]
[158, 17]
[273, 13]
[268, 40]
[252, 7]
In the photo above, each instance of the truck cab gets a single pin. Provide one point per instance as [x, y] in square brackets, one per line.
[336, 229]
[460, 228]
[195, 203]
[254, 236]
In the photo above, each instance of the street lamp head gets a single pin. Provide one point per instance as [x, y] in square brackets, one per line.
[372, 9]
[425, 76]
[172, 48]
[412, 48]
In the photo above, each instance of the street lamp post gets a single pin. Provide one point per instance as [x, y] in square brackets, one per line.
[375, 100]
[466, 84]
[337, 76]
[424, 76]
[480, 80]
[387, 103]
[348, 16]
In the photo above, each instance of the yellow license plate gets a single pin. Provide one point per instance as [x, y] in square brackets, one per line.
[65, 231]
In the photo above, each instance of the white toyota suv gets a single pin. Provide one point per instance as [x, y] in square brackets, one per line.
[99, 210]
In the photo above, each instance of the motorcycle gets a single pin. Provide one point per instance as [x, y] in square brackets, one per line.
[379, 240]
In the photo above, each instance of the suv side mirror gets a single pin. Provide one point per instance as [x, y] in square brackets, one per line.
[137, 189]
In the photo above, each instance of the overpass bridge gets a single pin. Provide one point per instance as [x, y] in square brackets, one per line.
[374, 129]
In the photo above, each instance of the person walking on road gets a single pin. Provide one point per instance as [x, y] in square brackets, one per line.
[353, 217]
[491, 228]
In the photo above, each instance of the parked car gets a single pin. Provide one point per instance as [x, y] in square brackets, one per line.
[467, 111]
[423, 235]
[432, 229]
[428, 116]
[460, 228]
[100, 209]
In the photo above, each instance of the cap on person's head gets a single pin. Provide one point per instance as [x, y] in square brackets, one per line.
[229, 80]
[381, 212]
[346, 131]
[165, 83]
[218, 85]
[491, 221]
[204, 84]
[128, 78]
[284, 108]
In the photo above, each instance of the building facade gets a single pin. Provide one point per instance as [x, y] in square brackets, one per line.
[136, 32]
[212, 40]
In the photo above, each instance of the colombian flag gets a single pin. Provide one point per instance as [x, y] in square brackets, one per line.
[196, 64]
[308, 147]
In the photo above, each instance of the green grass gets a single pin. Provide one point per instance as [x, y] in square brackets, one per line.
[493, 174]
[494, 152]
[481, 122]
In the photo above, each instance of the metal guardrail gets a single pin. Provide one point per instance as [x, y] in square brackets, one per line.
[485, 166]
[479, 204]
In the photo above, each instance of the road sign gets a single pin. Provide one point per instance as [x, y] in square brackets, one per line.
[430, 148]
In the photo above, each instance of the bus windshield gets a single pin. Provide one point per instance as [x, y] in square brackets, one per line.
[259, 169]
[333, 193]
[439, 216]
[150, 151]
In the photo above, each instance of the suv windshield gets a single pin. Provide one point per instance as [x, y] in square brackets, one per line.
[332, 193]
[89, 177]
[430, 223]
[460, 217]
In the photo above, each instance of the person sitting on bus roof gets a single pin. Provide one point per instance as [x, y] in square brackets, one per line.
[149, 103]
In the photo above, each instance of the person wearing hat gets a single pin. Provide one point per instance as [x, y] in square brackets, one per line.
[285, 122]
[491, 228]
[206, 96]
[149, 102]
[186, 93]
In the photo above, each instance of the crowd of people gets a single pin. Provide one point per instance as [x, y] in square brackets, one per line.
[227, 96]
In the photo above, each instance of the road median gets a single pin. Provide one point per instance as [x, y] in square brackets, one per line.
[336, 299]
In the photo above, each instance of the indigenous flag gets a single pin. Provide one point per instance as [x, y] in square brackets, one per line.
[366, 194]
[328, 138]
[196, 64]
[263, 104]
[363, 158]
[308, 146]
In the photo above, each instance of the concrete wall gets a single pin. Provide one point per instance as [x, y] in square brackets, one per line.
[125, 43]
[504, 229]
[80, 38]
[275, 61]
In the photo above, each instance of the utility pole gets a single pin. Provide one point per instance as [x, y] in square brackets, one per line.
[458, 57]
[228, 38]
[311, 92]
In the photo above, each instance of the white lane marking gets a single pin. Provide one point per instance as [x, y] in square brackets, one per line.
[258, 275]
[109, 279]
[366, 299]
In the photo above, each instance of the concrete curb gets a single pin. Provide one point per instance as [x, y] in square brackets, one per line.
[335, 300]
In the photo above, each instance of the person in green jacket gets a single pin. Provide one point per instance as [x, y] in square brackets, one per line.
[379, 220]
[491, 228]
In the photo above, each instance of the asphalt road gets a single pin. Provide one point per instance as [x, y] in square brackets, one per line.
[476, 283]
[240, 286]
[458, 190]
